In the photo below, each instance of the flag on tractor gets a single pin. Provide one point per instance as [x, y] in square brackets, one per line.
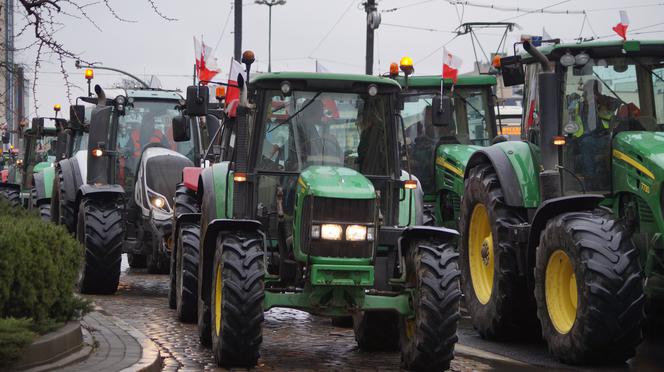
[206, 65]
[451, 65]
[233, 91]
[621, 27]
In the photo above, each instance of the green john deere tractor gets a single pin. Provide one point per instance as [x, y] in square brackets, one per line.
[567, 226]
[439, 153]
[314, 212]
[40, 148]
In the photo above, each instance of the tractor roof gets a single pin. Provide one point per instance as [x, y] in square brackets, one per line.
[604, 48]
[317, 80]
[426, 81]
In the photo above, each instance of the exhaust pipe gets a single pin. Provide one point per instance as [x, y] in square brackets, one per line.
[101, 96]
[541, 58]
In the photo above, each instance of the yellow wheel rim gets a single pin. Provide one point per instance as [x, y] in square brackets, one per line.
[561, 292]
[480, 253]
[217, 300]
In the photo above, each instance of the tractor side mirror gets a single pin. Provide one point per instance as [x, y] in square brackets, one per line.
[512, 70]
[441, 111]
[197, 100]
[181, 129]
[76, 116]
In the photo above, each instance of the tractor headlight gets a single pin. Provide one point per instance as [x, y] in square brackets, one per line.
[329, 231]
[158, 201]
[356, 233]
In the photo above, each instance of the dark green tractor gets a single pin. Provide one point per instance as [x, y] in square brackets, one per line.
[566, 228]
[313, 211]
[439, 153]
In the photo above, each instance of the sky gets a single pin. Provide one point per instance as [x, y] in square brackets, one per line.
[303, 31]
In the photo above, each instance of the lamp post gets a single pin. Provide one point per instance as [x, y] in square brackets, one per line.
[270, 4]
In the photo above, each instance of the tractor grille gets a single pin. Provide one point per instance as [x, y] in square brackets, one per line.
[340, 211]
[645, 214]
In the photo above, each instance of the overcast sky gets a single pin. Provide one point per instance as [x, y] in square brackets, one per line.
[305, 30]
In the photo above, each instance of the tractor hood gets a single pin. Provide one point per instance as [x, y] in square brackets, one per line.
[455, 157]
[336, 182]
[159, 171]
[40, 166]
[646, 148]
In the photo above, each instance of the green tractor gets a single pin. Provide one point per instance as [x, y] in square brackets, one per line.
[40, 148]
[312, 211]
[439, 153]
[567, 226]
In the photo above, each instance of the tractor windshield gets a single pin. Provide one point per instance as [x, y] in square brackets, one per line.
[471, 127]
[144, 123]
[604, 97]
[325, 128]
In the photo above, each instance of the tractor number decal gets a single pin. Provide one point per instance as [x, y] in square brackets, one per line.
[445, 164]
[645, 188]
[622, 156]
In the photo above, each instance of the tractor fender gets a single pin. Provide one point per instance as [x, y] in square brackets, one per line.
[99, 191]
[13, 186]
[504, 170]
[440, 234]
[72, 177]
[209, 241]
[190, 177]
[549, 209]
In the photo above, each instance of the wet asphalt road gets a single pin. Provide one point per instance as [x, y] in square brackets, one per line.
[296, 341]
[292, 340]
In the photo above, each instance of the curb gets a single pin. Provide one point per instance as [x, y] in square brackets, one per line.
[150, 360]
[54, 346]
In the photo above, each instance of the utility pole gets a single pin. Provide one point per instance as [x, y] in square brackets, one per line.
[238, 30]
[373, 21]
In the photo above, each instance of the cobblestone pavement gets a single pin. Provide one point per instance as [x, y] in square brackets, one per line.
[292, 340]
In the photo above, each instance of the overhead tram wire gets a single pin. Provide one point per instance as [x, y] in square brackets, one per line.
[223, 30]
[390, 10]
[516, 9]
[350, 5]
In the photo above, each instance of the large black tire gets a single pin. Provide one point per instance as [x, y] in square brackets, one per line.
[204, 320]
[185, 202]
[589, 289]
[376, 330]
[101, 231]
[497, 298]
[427, 339]
[136, 261]
[237, 294]
[66, 209]
[13, 196]
[45, 212]
[186, 280]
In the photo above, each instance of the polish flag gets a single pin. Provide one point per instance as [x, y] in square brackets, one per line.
[621, 28]
[233, 91]
[451, 65]
[206, 65]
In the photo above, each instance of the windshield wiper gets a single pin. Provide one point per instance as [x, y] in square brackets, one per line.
[609, 88]
[296, 112]
[471, 106]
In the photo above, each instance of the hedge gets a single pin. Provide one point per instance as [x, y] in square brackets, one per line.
[39, 265]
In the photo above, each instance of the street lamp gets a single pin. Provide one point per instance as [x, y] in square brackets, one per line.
[270, 4]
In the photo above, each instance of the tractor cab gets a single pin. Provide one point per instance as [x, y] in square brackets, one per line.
[438, 153]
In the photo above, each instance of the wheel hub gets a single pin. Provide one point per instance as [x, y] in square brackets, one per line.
[485, 252]
[561, 291]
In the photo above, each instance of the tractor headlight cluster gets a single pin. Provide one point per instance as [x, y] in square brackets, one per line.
[158, 201]
[353, 233]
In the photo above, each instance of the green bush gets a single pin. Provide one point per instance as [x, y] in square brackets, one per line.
[15, 334]
[39, 264]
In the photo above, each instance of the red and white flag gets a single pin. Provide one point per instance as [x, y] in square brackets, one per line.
[621, 27]
[233, 92]
[206, 65]
[451, 65]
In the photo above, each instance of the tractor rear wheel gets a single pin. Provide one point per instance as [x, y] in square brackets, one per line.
[13, 196]
[136, 261]
[589, 289]
[427, 338]
[376, 330]
[497, 298]
[45, 212]
[186, 272]
[237, 294]
[100, 229]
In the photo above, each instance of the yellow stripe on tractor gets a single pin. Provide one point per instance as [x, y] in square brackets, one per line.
[624, 157]
[445, 164]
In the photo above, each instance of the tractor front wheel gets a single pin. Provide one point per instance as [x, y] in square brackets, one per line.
[497, 297]
[13, 197]
[429, 335]
[589, 289]
[237, 294]
[45, 212]
[100, 230]
[186, 272]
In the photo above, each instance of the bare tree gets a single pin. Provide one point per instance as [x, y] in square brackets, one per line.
[40, 18]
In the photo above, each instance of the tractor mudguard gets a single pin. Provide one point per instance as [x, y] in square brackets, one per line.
[441, 234]
[43, 182]
[209, 241]
[549, 209]
[72, 178]
[516, 171]
[38, 183]
[100, 191]
[190, 176]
